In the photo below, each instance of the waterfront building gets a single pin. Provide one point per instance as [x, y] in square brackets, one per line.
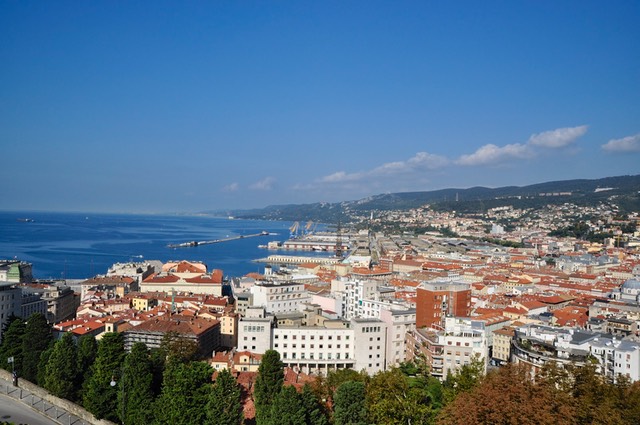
[16, 271]
[192, 281]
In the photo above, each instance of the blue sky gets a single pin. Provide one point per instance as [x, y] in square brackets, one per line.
[190, 106]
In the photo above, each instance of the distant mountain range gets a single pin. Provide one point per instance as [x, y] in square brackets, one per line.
[623, 191]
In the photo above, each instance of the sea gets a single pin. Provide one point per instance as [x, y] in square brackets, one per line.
[82, 245]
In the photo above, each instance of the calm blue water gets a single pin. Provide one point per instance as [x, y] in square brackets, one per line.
[76, 246]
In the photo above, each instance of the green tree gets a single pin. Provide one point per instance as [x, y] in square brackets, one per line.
[60, 371]
[464, 379]
[225, 401]
[287, 408]
[185, 390]
[11, 346]
[37, 336]
[44, 360]
[135, 392]
[100, 398]
[268, 384]
[177, 347]
[390, 400]
[349, 404]
[87, 352]
[314, 409]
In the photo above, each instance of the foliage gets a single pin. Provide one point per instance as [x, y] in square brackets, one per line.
[12, 343]
[268, 384]
[325, 387]
[225, 401]
[315, 413]
[178, 348]
[135, 396]
[390, 400]
[87, 352]
[464, 379]
[44, 360]
[349, 404]
[185, 390]
[37, 336]
[60, 370]
[287, 408]
[100, 398]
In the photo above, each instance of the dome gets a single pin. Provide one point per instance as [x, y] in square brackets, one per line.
[631, 284]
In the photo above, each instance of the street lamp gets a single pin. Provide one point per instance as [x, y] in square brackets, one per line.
[113, 383]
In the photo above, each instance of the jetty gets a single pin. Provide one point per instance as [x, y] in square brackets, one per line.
[232, 238]
[293, 259]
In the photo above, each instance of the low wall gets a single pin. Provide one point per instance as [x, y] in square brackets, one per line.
[61, 403]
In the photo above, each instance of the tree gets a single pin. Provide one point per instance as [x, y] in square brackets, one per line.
[349, 404]
[314, 409]
[100, 398]
[287, 408]
[464, 379]
[225, 401]
[185, 390]
[11, 346]
[37, 335]
[509, 396]
[44, 360]
[135, 395]
[390, 400]
[177, 347]
[87, 352]
[268, 384]
[60, 371]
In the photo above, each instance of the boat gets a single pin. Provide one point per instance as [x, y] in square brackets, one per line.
[26, 220]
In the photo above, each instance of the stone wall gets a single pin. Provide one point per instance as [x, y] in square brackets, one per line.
[60, 403]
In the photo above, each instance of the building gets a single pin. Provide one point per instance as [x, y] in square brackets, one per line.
[276, 297]
[501, 352]
[15, 271]
[399, 324]
[204, 332]
[437, 300]
[10, 300]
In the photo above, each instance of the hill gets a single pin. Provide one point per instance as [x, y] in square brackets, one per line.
[623, 191]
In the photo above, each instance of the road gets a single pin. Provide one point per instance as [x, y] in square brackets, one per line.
[19, 413]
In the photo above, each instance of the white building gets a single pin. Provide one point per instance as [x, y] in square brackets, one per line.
[279, 297]
[398, 322]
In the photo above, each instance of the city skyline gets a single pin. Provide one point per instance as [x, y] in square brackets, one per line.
[205, 106]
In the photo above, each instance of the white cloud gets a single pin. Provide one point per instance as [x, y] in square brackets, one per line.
[626, 144]
[557, 138]
[264, 184]
[428, 161]
[340, 177]
[492, 154]
[231, 187]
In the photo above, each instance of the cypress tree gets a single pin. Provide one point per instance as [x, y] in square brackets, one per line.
[60, 371]
[225, 401]
[135, 395]
[185, 390]
[314, 409]
[37, 336]
[11, 346]
[100, 398]
[268, 384]
[287, 408]
[87, 352]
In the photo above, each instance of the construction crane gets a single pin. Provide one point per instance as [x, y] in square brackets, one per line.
[294, 228]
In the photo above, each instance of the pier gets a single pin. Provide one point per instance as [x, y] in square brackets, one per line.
[232, 238]
[293, 259]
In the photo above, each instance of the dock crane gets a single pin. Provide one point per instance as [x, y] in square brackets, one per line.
[294, 229]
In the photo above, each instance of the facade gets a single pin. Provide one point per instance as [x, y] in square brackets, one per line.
[338, 344]
[502, 345]
[437, 300]
[15, 271]
[204, 332]
[399, 324]
[32, 303]
[446, 351]
[210, 284]
[279, 297]
[10, 300]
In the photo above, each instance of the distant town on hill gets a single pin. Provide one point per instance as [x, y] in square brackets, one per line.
[624, 191]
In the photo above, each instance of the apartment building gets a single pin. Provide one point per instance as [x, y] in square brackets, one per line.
[437, 300]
